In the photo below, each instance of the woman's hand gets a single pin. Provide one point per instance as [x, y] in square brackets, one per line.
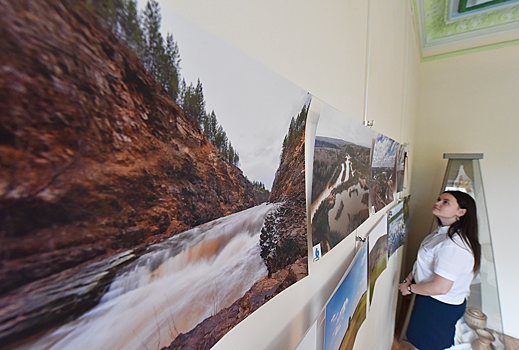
[438, 286]
[403, 286]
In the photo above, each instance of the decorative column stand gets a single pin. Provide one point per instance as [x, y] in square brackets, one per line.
[463, 173]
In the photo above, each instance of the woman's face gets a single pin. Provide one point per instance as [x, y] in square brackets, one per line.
[447, 209]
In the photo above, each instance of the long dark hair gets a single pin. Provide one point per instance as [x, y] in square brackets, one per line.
[467, 225]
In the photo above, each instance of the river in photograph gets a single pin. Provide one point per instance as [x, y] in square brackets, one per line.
[352, 205]
[173, 287]
[345, 171]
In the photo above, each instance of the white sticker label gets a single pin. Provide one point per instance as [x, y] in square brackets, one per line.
[317, 252]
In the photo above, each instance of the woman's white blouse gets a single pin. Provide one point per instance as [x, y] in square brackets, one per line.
[449, 258]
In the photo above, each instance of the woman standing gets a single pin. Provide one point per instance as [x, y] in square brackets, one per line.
[445, 265]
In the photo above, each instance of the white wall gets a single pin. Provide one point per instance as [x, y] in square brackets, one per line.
[467, 104]
[318, 45]
[322, 46]
[470, 104]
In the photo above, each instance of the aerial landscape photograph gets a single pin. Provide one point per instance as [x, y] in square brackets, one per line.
[340, 182]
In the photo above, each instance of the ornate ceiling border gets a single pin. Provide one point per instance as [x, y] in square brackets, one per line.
[439, 36]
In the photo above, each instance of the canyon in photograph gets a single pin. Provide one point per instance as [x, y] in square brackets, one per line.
[127, 218]
[340, 191]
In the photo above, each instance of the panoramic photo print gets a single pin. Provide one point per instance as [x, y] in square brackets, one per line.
[152, 183]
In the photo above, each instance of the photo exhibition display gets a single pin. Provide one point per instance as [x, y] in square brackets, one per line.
[152, 182]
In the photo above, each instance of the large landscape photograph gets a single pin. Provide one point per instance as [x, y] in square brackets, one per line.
[340, 182]
[152, 183]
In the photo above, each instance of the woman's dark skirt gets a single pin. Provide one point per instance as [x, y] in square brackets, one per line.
[432, 323]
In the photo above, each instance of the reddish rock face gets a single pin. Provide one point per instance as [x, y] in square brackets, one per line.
[94, 156]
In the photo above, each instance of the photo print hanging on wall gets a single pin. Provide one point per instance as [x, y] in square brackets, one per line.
[340, 179]
[378, 242]
[407, 217]
[347, 308]
[396, 228]
[153, 178]
[382, 182]
[400, 168]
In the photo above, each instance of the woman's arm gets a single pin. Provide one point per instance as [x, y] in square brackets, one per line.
[438, 286]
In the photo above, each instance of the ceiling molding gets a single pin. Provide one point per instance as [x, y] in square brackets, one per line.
[453, 14]
[438, 36]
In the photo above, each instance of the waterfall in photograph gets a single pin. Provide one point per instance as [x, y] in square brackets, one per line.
[172, 288]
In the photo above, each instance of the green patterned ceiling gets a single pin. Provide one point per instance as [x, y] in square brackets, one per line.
[439, 35]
